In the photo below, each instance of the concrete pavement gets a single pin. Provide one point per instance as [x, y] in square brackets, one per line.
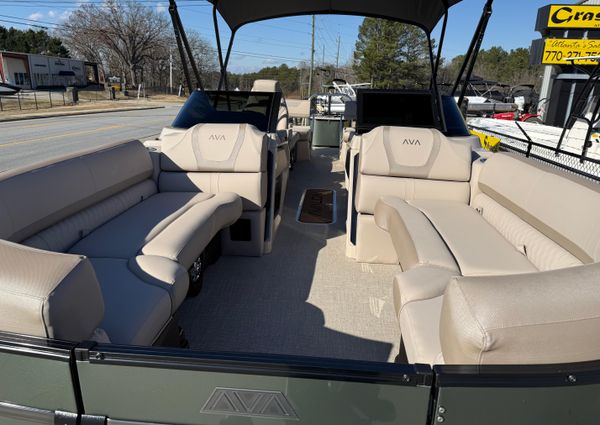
[30, 141]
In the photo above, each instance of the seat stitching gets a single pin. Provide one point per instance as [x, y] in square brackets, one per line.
[554, 322]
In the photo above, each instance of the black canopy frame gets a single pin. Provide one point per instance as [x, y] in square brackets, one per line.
[416, 14]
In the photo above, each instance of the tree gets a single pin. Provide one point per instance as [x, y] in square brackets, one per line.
[117, 31]
[391, 54]
[30, 41]
[496, 64]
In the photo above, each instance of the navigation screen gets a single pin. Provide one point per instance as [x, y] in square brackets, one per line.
[394, 107]
[231, 107]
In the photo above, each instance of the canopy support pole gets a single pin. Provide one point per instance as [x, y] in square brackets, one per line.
[473, 52]
[182, 42]
[442, 38]
[222, 62]
[434, 87]
[226, 63]
[173, 12]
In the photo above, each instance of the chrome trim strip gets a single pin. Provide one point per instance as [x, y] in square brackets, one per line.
[25, 413]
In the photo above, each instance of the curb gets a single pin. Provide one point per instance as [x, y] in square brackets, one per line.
[73, 113]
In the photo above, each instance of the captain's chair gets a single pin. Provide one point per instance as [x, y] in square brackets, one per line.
[283, 118]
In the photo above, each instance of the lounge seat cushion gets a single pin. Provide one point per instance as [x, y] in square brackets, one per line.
[251, 187]
[416, 241]
[186, 238]
[164, 273]
[48, 294]
[420, 323]
[479, 249]
[135, 311]
[548, 317]
[420, 283]
[304, 132]
[173, 225]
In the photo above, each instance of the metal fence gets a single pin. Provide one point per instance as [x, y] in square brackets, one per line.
[37, 99]
[565, 160]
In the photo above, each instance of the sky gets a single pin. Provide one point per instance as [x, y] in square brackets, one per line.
[287, 40]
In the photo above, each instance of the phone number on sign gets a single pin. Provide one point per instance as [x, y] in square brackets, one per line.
[560, 56]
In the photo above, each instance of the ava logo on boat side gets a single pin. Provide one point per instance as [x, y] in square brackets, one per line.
[249, 403]
[217, 138]
[412, 142]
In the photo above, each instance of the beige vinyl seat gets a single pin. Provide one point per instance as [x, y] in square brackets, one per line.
[100, 217]
[221, 159]
[407, 163]
[503, 279]
[284, 131]
[299, 113]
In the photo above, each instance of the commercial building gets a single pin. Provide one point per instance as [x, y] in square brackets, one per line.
[32, 71]
[567, 31]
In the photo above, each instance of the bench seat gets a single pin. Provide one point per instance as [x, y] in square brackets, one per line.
[175, 225]
[496, 281]
[101, 232]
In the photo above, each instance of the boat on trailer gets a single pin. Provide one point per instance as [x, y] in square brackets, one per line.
[406, 277]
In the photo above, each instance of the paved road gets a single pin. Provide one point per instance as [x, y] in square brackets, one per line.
[29, 141]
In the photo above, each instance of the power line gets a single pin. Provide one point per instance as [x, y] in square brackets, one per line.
[23, 23]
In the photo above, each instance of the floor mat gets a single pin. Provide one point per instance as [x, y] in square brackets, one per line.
[317, 207]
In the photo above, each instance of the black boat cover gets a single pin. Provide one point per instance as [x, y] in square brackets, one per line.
[423, 13]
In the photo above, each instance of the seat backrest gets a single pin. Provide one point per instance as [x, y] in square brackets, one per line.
[37, 197]
[411, 163]
[551, 214]
[551, 317]
[273, 86]
[217, 158]
[298, 108]
[47, 294]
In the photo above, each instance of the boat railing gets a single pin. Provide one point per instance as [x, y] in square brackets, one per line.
[576, 163]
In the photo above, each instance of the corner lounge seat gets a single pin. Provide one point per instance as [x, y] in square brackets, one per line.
[407, 163]
[100, 214]
[504, 279]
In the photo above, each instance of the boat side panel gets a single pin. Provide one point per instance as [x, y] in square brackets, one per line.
[518, 406]
[160, 395]
[35, 381]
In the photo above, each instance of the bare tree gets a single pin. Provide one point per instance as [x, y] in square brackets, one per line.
[117, 31]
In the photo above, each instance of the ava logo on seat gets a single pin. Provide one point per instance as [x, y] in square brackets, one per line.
[217, 138]
[251, 403]
[412, 142]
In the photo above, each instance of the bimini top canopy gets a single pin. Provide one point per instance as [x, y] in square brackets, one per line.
[423, 13]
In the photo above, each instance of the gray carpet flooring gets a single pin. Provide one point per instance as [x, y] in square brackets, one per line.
[305, 298]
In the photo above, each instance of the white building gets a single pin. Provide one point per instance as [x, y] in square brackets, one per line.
[32, 71]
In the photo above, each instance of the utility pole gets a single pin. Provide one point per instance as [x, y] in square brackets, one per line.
[337, 57]
[170, 71]
[323, 63]
[312, 58]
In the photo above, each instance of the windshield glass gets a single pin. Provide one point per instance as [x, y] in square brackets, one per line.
[219, 107]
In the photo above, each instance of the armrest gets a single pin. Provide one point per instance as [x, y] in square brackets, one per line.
[48, 294]
[539, 318]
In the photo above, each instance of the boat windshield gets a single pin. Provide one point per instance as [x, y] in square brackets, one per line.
[226, 107]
